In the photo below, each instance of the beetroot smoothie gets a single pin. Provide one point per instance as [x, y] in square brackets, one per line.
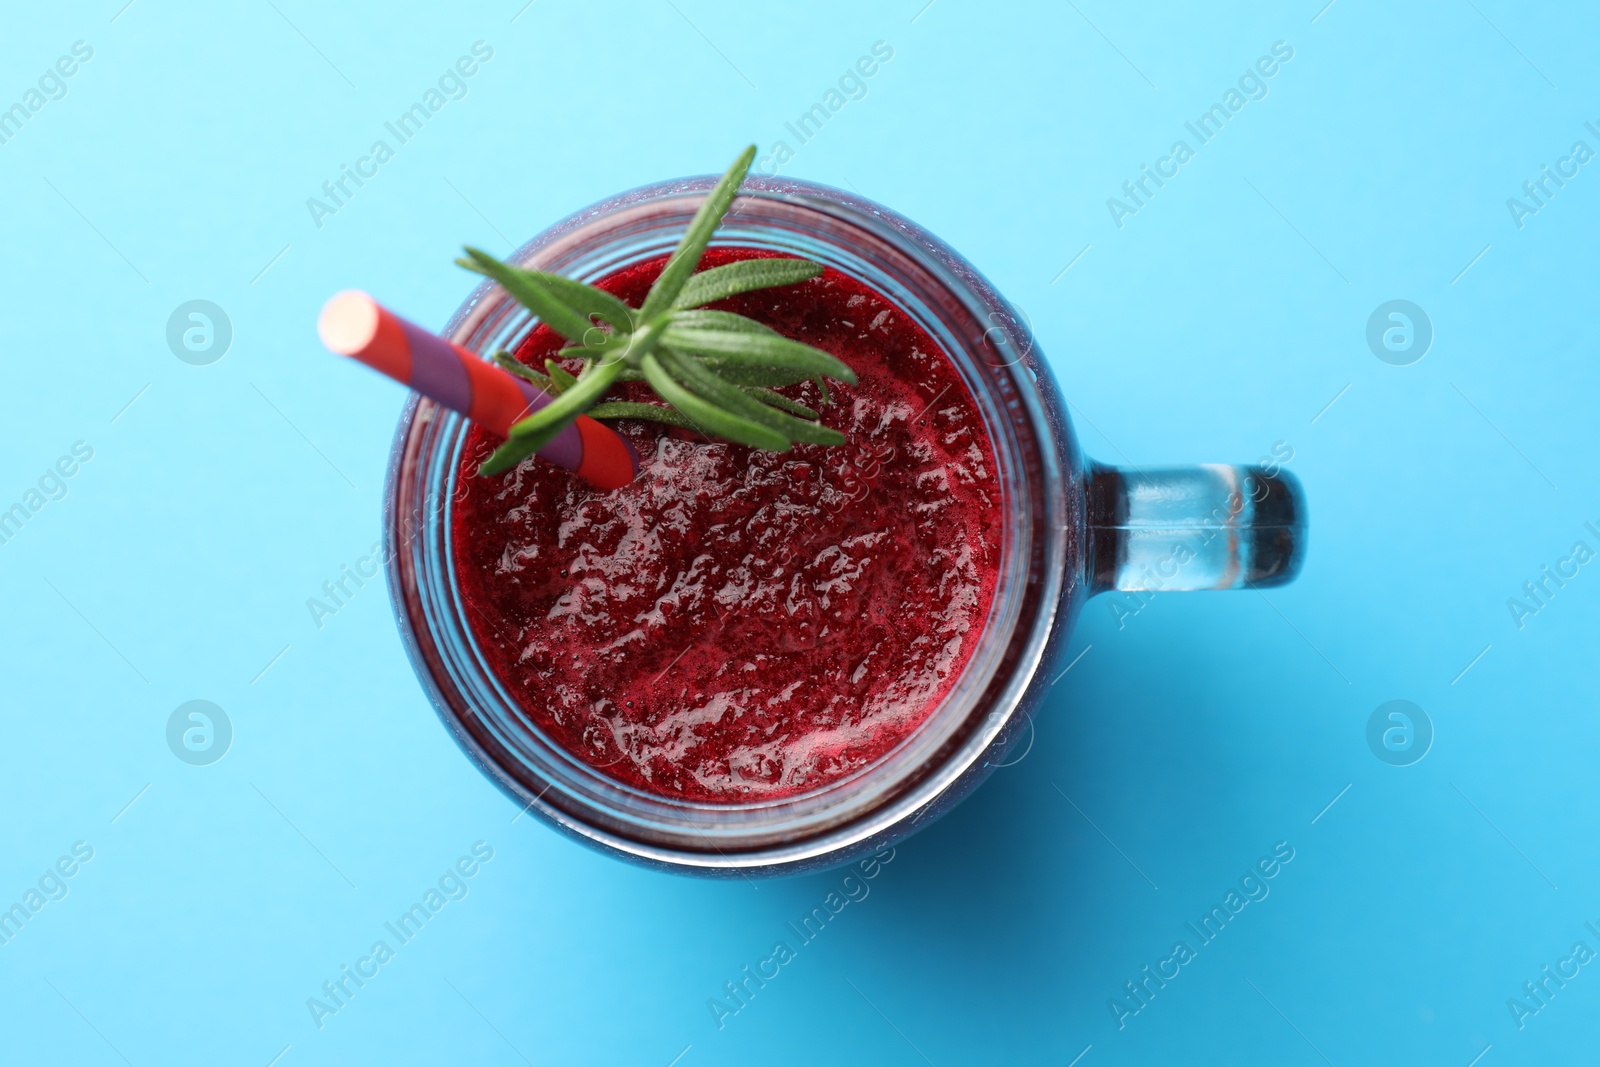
[739, 625]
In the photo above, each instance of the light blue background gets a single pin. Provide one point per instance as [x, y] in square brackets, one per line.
[1223, 318]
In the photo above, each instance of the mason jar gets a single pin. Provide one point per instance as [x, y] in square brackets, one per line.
[1069, 528]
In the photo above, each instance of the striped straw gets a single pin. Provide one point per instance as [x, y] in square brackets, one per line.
[353, 324]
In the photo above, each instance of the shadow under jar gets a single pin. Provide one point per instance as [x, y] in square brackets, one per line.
[1062, 529]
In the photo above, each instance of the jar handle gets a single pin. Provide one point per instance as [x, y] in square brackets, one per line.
[1186, 528]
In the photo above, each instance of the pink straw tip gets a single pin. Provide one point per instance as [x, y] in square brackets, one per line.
[349, 322]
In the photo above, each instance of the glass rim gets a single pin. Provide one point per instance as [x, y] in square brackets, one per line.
[953, 303]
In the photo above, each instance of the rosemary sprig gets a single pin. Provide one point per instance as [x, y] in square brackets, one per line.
[717, 370]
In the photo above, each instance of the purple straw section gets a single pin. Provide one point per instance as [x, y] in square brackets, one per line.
[437, 373]
[565, 450]
[436, 370]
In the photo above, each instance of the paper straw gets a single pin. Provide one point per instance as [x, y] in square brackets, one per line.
[353, 324]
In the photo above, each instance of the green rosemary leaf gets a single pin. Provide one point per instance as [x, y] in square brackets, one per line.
[703, 319]
[743, 277]
[540, 428]
[687, 255]
[506, 361]
[559, 375]
[509, 454]
[623, 409]
[595, 380]
[580, 352]
[708, 417]
[589, 300]
[517, 448]
[773, 350]
[778, 400]
[738, 369]
[628, 373]
[531, 291]
[742, 371]
[738, 403]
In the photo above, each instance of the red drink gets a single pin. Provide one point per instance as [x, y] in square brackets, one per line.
[741, 625]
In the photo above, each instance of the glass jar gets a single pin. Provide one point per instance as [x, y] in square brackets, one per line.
[1071, 528]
